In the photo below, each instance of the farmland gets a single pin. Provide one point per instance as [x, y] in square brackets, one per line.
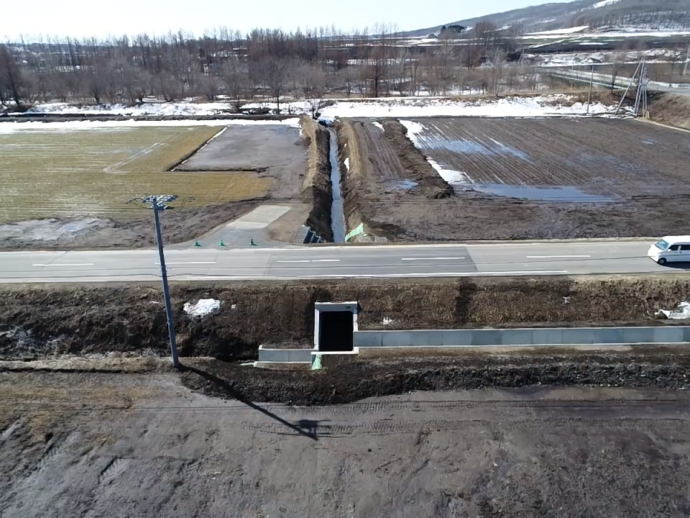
[523, 179]
[77, 184]
[67, 173]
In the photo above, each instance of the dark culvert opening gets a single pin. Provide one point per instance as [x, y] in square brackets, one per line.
[336, 330]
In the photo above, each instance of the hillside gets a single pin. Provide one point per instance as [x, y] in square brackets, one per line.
[642, 14]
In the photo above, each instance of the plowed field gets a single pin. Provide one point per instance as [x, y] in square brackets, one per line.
[600, 156]
[525, 179]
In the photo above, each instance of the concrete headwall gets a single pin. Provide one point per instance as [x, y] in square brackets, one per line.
[285, 355]
[525, 337]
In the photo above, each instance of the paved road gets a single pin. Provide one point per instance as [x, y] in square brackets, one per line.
[511, 259]
[621, 82]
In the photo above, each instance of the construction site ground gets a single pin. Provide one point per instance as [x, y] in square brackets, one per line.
[140, 443]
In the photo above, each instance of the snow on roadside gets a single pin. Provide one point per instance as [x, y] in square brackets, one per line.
[541, 106]
[514, 106]
[160, 109]
[11, 127]
[682, 313]
[202, 308]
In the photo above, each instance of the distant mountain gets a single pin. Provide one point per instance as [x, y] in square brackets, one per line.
[643, 14]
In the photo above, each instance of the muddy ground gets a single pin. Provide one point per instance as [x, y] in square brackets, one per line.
[276, 152]
[178, 226]
[40, 321]
[635, 169]
[78, 444]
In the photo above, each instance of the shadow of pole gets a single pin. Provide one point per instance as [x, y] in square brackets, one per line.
[311, 433]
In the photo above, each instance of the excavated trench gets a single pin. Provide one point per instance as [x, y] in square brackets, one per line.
[337, 206]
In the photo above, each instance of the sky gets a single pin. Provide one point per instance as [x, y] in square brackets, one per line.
[85, 18]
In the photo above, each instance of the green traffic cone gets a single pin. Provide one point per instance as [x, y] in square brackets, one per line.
[196, 243]
[221, 242]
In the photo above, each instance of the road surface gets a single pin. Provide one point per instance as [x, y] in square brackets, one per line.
[621, 82]
[497, 259]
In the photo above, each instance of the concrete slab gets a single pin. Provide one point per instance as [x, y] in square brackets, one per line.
[608, 336]
[547, 336]
[487, 337]
[367, 339]
[669, 335]
[517, 336]
[578, 336]
[638, 335]
[259, 218]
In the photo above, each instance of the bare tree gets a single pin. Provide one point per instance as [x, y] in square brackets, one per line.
[12, 79]
[313, 87]
[274, 74]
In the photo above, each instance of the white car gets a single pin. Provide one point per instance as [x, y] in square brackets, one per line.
[671, 249]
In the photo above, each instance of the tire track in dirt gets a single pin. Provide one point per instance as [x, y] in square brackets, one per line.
[394, 427]
[115, 467]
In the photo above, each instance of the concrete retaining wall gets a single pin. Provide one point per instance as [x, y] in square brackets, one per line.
[285, 355]
[524, 337]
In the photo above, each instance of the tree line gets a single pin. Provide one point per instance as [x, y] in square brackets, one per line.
[263, 64]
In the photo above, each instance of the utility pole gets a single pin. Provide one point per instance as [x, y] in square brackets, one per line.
[591, 85]
[158, 206]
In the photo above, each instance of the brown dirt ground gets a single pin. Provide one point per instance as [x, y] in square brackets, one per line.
[671, 109]
[41, 321]
[142, 445]
[178, 226]
[377, 162]
[604, 157]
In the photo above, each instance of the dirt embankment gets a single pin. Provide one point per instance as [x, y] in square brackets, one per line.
[317, 189]
[670, 109]
[40, 321]
[383, 166]
[352, 170]
[350, 379]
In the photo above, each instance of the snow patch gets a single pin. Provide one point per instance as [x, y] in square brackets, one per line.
[202, 308]
[379, 125]
[347, 163]
[48, 230]
[682, 313]
[454, 178]
[145, 109]
[11, 127]
[604, 3]
[572, 30]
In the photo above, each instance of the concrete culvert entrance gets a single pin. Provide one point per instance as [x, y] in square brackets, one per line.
[336, 332]
[335, 324]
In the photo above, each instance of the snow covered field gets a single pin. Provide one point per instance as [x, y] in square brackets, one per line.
[514, 106]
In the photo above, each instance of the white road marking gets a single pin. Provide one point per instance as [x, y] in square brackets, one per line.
[190, 262]
[312, 261]
[432, 258]
[63, 264]
[392, 275]
[559, 256]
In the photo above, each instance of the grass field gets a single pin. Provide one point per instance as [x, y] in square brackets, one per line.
[65, 173]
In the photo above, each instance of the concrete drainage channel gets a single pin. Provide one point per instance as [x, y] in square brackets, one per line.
[336, 332]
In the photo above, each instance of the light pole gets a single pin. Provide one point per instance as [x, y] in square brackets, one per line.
[158, 204]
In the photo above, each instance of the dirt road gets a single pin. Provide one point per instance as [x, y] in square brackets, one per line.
[143, 445]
